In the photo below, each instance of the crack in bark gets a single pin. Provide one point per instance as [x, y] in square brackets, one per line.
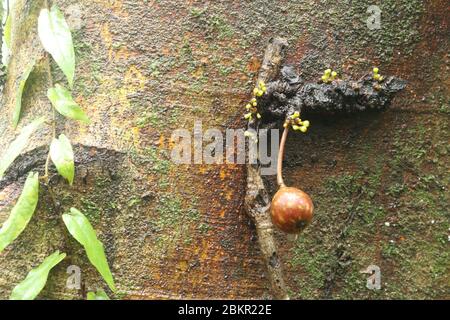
[342, 257]
[35, 160]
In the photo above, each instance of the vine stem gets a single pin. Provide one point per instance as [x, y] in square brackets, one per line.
[45, 178]
[280, 158]
[50, 83]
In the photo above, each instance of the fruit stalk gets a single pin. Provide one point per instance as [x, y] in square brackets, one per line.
[291, 208]
[280, 158]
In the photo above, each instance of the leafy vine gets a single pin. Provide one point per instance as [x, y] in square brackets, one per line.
[56, 39]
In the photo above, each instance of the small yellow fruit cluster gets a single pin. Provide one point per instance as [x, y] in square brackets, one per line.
[251, 107]
[296, 123]
[329, 76]
[260, 89]
[376, 75]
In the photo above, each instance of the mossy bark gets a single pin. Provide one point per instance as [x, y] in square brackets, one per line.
[145, 68]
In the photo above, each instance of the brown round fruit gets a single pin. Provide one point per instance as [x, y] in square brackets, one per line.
[291, 209]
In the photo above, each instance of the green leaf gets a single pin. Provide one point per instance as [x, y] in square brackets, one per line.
[81, 229]
[7, 31]
[61, 153]
[99, 295]
[19, 93]
[6, 49]
[16, 147]
[57, 40]
[36, 279]
[63, 102]
[22, 211]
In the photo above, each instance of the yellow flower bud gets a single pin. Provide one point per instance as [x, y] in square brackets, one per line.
[255, 91]
[285, 125]
[376, 76]
[306, 123]
[248, 115]
[295, 127]
[375, 70]
[258, 116]
[253, 100]
[328, 72]
[259, 93]
[254, 104]
[334, 74]
[303, 129]
[380, 78]
[324, 78]
[248, 106]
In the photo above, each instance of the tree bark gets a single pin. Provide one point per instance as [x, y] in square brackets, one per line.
[145, 68]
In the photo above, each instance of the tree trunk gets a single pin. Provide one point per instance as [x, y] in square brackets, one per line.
[145, 68]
